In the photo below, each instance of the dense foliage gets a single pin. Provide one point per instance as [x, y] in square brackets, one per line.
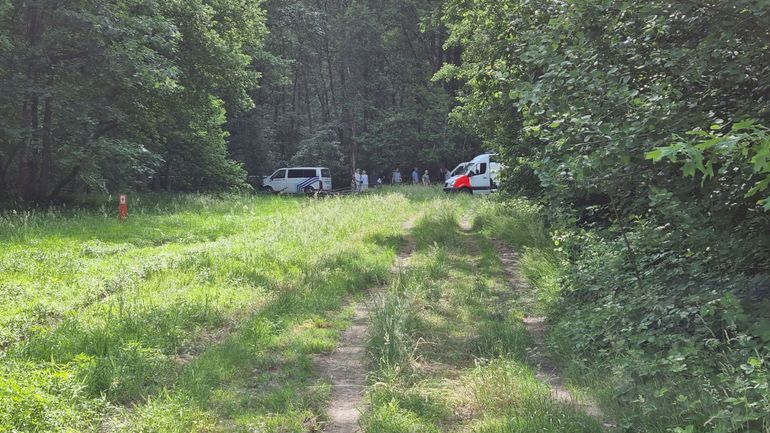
[110, 94]
[638, 125]
[191, 95]
[348, 84]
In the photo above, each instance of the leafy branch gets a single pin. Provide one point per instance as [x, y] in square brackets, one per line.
[708, 153]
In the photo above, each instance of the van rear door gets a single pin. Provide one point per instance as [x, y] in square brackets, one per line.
[326, 179]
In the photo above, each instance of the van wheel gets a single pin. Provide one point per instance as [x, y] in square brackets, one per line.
[309, 190]
[268, 189]
[466, 191]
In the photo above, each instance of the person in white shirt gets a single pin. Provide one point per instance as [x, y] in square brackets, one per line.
[364, 181]
[358, 180]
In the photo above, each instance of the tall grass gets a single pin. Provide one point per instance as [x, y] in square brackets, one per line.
[196, 312]
[447, 341]
[391, 341]
[520, 224]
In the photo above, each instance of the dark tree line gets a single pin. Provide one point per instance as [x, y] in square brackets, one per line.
[189, 95]
[107, 95]
[348, 84]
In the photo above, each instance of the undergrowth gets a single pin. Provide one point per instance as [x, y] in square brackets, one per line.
[643, 324]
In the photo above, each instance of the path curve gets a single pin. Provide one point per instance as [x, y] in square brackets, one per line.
[345, 367]
[537, 355]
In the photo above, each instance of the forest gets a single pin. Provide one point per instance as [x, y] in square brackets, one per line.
[635, 136]
[198, 96]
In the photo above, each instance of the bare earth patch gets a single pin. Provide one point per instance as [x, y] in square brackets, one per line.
[345, 367]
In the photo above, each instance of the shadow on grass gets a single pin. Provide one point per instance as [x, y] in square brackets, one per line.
[457, 320]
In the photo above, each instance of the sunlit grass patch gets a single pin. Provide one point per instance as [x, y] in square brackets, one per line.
[510, 398]
[432, 403]
[538, 420]
[198, 315]
[518, 222]
[391, 418]
[503, 386]
[45, 397]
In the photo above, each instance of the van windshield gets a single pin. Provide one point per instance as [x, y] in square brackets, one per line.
[461, 171]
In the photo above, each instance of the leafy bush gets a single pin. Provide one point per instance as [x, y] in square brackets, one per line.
[682, 345]
[664, 278]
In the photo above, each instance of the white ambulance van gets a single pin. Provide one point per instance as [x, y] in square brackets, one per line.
[460, 169]
[481, 176]
[298, 180]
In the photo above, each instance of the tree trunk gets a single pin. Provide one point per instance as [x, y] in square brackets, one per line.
[307, 102]
[64, 182]
[27, 176]
[44, 178]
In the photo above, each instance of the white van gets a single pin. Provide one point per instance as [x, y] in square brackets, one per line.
[480, 176]
[298, 180]
[460, 169]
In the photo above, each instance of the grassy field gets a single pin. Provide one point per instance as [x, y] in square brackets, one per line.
[202, 314]
[447, 343]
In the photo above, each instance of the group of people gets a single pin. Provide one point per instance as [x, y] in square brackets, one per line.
[360, 179]
[395, 178]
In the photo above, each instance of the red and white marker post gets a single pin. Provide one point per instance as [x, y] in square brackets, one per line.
[123, 207]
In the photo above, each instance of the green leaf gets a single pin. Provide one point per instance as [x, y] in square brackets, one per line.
[655, 155]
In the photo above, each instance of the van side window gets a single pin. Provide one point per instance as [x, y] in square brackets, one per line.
[280, 174]
[325, 172]
[301, 173]
[481, 168]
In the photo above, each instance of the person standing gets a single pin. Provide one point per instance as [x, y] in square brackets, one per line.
[426, 178]
[358, 180]
[415, 176]
[396, 178]
[364, 181]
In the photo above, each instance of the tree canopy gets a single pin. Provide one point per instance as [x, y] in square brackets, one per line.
[185, 95]
[639, 126]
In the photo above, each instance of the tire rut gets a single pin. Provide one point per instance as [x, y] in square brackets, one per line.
[537, 355]
[345, 367]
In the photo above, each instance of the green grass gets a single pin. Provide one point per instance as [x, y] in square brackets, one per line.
[203, 314]
[447, 343]
[198, 314]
